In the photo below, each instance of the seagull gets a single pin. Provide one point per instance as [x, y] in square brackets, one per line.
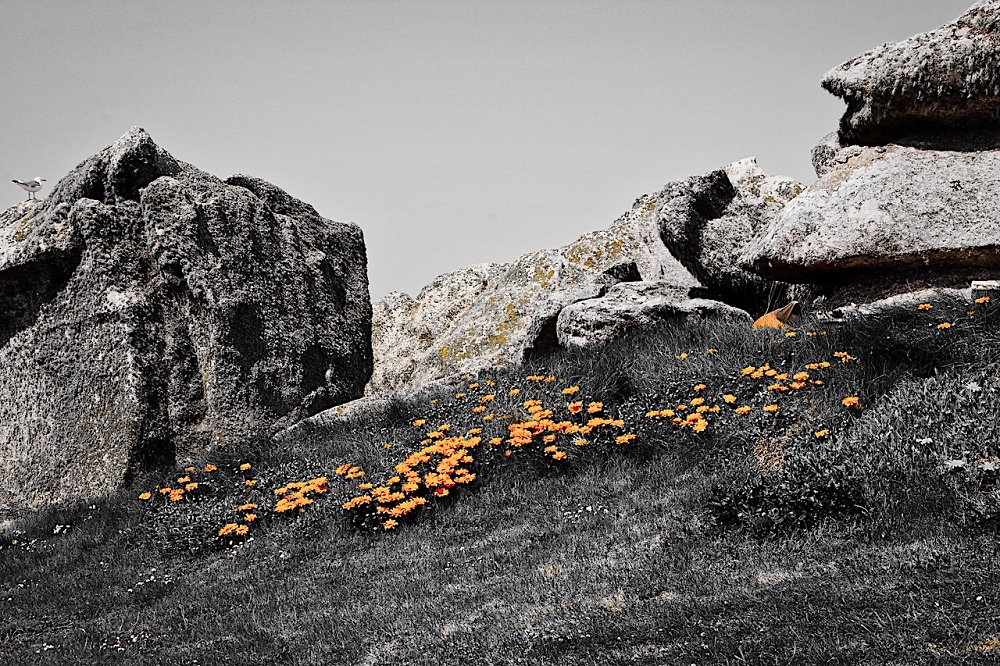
[31, 186]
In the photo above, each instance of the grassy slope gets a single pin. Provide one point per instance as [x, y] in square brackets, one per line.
[616, 554]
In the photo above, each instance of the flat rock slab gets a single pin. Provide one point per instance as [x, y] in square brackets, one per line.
[947, 77]
[891, 208]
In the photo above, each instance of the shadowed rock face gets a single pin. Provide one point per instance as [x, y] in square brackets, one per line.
[707, 221]
[945, 78]
[150, 311]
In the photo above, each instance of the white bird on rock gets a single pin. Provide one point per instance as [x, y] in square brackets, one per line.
[31, 186]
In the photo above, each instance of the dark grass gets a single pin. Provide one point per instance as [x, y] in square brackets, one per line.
[619, 554]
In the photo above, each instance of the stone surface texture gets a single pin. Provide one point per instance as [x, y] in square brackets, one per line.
[707, 221]
[887, 208]
[499, 314]
[947, 77]
[630, 306]
[150, 311]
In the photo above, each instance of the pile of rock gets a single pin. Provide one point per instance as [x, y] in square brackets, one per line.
[909, 189]
[149, 311]
[640, 271]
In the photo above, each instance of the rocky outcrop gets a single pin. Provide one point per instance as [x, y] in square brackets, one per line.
[150, 311]
[500, 314]
[631, 306]
[948, 77]
[890, 208]
[707, 221]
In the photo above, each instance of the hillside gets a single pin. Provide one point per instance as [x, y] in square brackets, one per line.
[751, 541]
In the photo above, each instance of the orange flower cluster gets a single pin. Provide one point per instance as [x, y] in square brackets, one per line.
[446, 459]
[295, 495]
[349, 472]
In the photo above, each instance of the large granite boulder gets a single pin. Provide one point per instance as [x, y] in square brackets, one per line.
[707, 221]
[948, 77]
[150, 311]
[631, 306]
[888, 209]
[500, 314]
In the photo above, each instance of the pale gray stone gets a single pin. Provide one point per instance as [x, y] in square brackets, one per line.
[631, 306]
[947, 77]
[150, 311]
[891, 208]
[500, 314]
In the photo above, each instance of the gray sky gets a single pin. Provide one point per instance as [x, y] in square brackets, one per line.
[453, 133]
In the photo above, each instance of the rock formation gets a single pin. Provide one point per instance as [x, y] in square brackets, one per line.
[919, 211]
[707, 222]
[149, 311]
[631, 306]
[499, 314]
[889, 208]
[948, 77]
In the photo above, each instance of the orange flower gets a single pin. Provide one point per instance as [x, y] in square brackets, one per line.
[419, 422]
[177, 495]
[711, 351]
[184, 479]
[580, 442]
[459, 395]
[790, 334]
[595, 407]
[924, 306]
[575, 407]
[681, 356]
[820, 434]
[982, 299]
[210, 468]
[697, 401]
[250, 517]
[851, 401]
[944, 325]
[625, 439]
[478, 409]
[559, 455]
[246, 507]
[145, 496]
[189, 469]
[700, 426]
[191, 486]
[474, 385]
[228, 529]
[771, 409]
[729, 398]
[251, 482]
[244, 467]
[513, 392]
[488, 398]
[571, 390]
[389, 524]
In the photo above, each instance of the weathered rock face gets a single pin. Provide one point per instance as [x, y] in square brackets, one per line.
[887, 209]
[707, 222]
[948, 77]
[499, 314]
[634, 305]
[149, 311]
